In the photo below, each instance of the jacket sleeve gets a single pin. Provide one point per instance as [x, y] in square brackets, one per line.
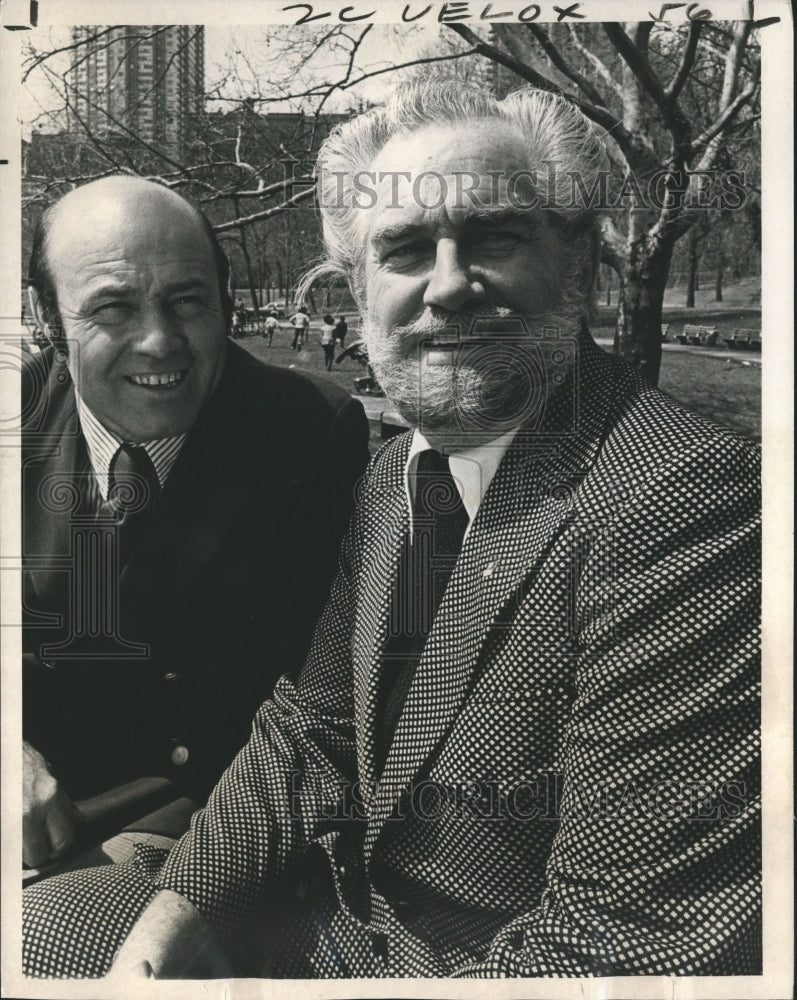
[655, 868]
[275, 796]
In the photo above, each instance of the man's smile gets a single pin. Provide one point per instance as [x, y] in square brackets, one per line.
[164, 380]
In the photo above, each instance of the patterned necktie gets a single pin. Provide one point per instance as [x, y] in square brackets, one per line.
[133, 488]
[439, 521]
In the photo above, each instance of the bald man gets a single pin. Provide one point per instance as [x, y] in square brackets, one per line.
[183, 505]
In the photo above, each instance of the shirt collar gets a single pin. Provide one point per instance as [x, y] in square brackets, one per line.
[103, 445]
[472, 470]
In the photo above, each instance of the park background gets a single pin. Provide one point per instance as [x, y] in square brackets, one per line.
[233, 117]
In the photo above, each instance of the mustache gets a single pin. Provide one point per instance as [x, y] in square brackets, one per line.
[433, 321]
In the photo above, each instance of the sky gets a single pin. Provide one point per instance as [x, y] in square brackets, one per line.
[258, 61]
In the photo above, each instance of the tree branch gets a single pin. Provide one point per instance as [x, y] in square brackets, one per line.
[635, 58]
[38, 60]
[636, 62]
[597, 64]
[712, 133]
[266, 214]
[564, 66]
[631, 148]
[349, 69]
[676, 85]
[736, 52]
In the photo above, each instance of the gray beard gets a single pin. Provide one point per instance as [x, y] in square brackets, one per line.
[480, 390]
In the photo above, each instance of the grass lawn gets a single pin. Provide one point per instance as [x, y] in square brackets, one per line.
[724, 390]
[727, 391]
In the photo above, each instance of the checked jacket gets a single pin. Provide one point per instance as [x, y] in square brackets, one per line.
[573, 784]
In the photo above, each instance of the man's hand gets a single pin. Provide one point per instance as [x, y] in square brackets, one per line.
[170, 940]
[49, 819]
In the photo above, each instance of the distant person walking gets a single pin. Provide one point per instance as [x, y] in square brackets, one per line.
[328, 340]
[271, 325]
[301, 324]
[341, 329]
[239, 321]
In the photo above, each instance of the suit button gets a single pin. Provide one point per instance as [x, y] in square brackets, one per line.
[179, 755]
[171, 676]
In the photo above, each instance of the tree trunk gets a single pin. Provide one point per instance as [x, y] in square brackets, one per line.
[691, 280]
[718, 283]
[250, 276]
[250, 273]
[639, 312]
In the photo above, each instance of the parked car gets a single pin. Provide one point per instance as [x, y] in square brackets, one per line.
[278, 308]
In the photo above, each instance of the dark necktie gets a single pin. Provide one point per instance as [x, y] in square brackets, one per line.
[133, 488]
[439, 521]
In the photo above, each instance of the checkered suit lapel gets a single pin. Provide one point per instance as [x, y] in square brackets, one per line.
[527, 504]
[380, 556]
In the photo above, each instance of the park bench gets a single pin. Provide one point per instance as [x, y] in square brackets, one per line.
[744, 340]
[697, 335]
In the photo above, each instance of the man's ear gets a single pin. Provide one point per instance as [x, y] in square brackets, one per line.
[37, 311]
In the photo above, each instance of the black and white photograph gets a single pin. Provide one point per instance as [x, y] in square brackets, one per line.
[396, 402]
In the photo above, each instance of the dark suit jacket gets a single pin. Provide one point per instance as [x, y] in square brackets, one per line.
[573, 785]
[219, 595]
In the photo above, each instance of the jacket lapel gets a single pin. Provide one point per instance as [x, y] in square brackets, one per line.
[528, 502]
[379, 563]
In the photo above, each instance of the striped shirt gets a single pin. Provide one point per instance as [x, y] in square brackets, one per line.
[103, 445]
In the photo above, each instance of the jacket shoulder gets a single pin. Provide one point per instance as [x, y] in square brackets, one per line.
[46, 393]
[280, 391]
[652, 443]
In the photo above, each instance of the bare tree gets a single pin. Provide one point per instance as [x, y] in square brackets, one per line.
[642, 83]
[672, 101]
[249, 167]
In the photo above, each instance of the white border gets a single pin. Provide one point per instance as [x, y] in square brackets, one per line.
[777, 392]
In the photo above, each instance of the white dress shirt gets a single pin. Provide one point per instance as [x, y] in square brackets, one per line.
[472, 470]
[103, 445]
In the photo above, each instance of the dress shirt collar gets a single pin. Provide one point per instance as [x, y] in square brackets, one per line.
[103, 445]
[472, 470]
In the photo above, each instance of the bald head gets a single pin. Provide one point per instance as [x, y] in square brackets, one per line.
[134, 279]
[92, 207]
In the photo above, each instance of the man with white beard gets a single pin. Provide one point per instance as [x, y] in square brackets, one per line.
[524, 741]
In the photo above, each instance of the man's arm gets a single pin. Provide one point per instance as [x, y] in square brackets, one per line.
[655, 868]
[268, 804]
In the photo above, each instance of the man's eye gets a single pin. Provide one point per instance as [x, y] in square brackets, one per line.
[408, 251]
[503, 240]
[112, 312]
[186, 306]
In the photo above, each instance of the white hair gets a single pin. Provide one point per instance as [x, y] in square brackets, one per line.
[554, 130]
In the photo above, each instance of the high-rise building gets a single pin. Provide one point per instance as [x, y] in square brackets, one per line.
[141, 79]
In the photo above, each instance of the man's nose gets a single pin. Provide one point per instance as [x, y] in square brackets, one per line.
[451, 286]
[159, 335]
